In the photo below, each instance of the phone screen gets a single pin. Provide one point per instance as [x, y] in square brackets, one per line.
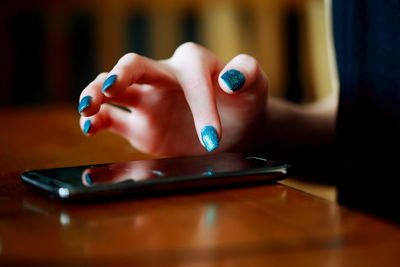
[148, 175]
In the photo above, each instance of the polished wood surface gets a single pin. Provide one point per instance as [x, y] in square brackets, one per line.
[269, 225]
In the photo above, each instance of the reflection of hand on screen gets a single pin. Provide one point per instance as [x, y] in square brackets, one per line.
[120, 172]
[170, 167]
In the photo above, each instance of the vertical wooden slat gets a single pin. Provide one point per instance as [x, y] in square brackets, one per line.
[165, 29]
[58, 59]
[271, 42]
[221, 28]
[110, 35]
[320, 50]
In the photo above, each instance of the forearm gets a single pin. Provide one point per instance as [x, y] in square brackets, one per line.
[300, 126]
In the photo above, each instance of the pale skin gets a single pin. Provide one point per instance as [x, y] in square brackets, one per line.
[172, 100]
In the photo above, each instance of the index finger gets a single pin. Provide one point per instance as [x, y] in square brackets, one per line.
[198, 90]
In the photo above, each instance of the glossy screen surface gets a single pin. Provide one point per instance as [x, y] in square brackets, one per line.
[144, 170]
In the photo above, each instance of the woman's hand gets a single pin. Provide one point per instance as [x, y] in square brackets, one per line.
[188, 104]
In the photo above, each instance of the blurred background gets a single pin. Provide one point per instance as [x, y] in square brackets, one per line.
[50, 50]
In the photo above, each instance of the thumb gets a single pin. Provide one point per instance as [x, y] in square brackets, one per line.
[239, 74]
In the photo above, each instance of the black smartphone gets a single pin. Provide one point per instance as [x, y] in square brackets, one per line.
[143, 178]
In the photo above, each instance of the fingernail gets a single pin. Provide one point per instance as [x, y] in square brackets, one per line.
[87, 126]
[85, 102]
[234, 79]
[88, 179]
[209, 137]
[108, 82]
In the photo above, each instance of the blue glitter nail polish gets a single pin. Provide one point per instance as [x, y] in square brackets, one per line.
[234, 79]
[85, 102]
[108, 82]
[88, 179]
[209, 137]
[87, 126]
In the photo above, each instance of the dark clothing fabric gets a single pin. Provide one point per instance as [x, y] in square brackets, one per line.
[367, 43]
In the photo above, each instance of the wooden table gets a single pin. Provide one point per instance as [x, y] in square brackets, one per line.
[270, 225]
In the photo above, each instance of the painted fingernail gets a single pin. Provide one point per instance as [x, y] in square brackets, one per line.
[86, 126]
[234, 79]
[209, 137]
[88, 179]
[108, 82]
[85, 102]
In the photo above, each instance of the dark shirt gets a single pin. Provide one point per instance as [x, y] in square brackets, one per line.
[367, 43]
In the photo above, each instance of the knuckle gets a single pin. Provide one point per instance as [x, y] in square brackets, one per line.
[130, 61]
[187, 47]
[189, 52]
[129, 57]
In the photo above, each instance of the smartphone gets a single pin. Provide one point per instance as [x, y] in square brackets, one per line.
[143, 178]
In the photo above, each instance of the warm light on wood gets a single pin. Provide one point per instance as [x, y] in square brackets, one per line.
[269, 225]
